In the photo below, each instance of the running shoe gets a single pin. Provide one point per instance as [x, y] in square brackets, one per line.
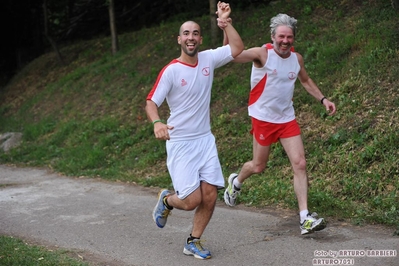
[312, 223]
[160, 213]
[231, 193]
[194, 248]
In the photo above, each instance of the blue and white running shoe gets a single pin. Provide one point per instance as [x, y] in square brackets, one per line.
[194, 248]
[160, 213]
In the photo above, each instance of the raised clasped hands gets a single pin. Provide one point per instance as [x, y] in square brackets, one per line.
[223, 15]
[223, 10]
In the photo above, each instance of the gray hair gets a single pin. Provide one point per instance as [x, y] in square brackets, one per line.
[282, 19]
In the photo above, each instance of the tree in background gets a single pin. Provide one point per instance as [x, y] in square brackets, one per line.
[40, 24]
[47, 34]
[114, 35]
[395, 4]
[214, 27]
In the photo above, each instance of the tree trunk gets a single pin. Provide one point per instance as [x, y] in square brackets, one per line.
[395, 4]
[51, 41]
[214, 28]
[114, 36]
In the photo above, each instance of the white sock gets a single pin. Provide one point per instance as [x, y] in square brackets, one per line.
[236, 183]
[303, 215]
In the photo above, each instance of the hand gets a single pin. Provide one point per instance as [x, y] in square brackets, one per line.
[330, 107]
[223, 10]
[222, 23]
[161, 131]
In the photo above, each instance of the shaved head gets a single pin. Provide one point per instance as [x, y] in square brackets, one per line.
[189, 24]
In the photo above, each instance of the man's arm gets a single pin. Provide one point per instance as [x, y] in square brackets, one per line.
[152, 111]
[160, 129]
[312, 88]
[249, 55]
[236, 44]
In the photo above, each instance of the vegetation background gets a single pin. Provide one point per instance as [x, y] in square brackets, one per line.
[87, 118]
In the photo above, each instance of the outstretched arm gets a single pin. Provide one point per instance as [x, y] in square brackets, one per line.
[249, 55]
[236, 44]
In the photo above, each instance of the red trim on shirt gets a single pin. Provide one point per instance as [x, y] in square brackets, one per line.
[257, 91]
[149, 96]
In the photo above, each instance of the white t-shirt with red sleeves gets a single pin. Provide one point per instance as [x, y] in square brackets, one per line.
[187, 90]
[272, 88]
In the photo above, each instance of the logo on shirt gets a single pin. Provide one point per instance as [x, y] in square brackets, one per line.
[183, 83]
[292, 75]
[274, 73]
[261, 137]
[205, 71]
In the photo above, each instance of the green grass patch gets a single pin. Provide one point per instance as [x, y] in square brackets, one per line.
[15, 252]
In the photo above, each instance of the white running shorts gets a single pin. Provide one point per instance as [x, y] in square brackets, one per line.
[192, 161]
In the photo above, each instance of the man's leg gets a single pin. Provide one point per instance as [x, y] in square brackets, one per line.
[293, 146]
[255, 166]
[296, 154]
[204, 199]
[167, 201]
[202, 216]
[260, 156]
[187, 204]
[204, 211]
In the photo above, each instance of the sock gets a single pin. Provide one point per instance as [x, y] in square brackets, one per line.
[191, 238]
[237, 185]
[303, 214]
[165, 202]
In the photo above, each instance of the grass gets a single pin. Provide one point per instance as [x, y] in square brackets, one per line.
[88, 119]
[14, 252]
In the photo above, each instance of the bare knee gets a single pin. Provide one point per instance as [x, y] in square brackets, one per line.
[209, 194]
[299, 165]
[258, 168]
[190, 203]
[206, 195]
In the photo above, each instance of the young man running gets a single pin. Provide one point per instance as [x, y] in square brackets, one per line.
[192, 157]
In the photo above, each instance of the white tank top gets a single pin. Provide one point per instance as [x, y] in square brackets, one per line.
[272, 88]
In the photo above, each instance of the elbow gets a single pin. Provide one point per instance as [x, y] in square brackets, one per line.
[237, 51]
[148, 105]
